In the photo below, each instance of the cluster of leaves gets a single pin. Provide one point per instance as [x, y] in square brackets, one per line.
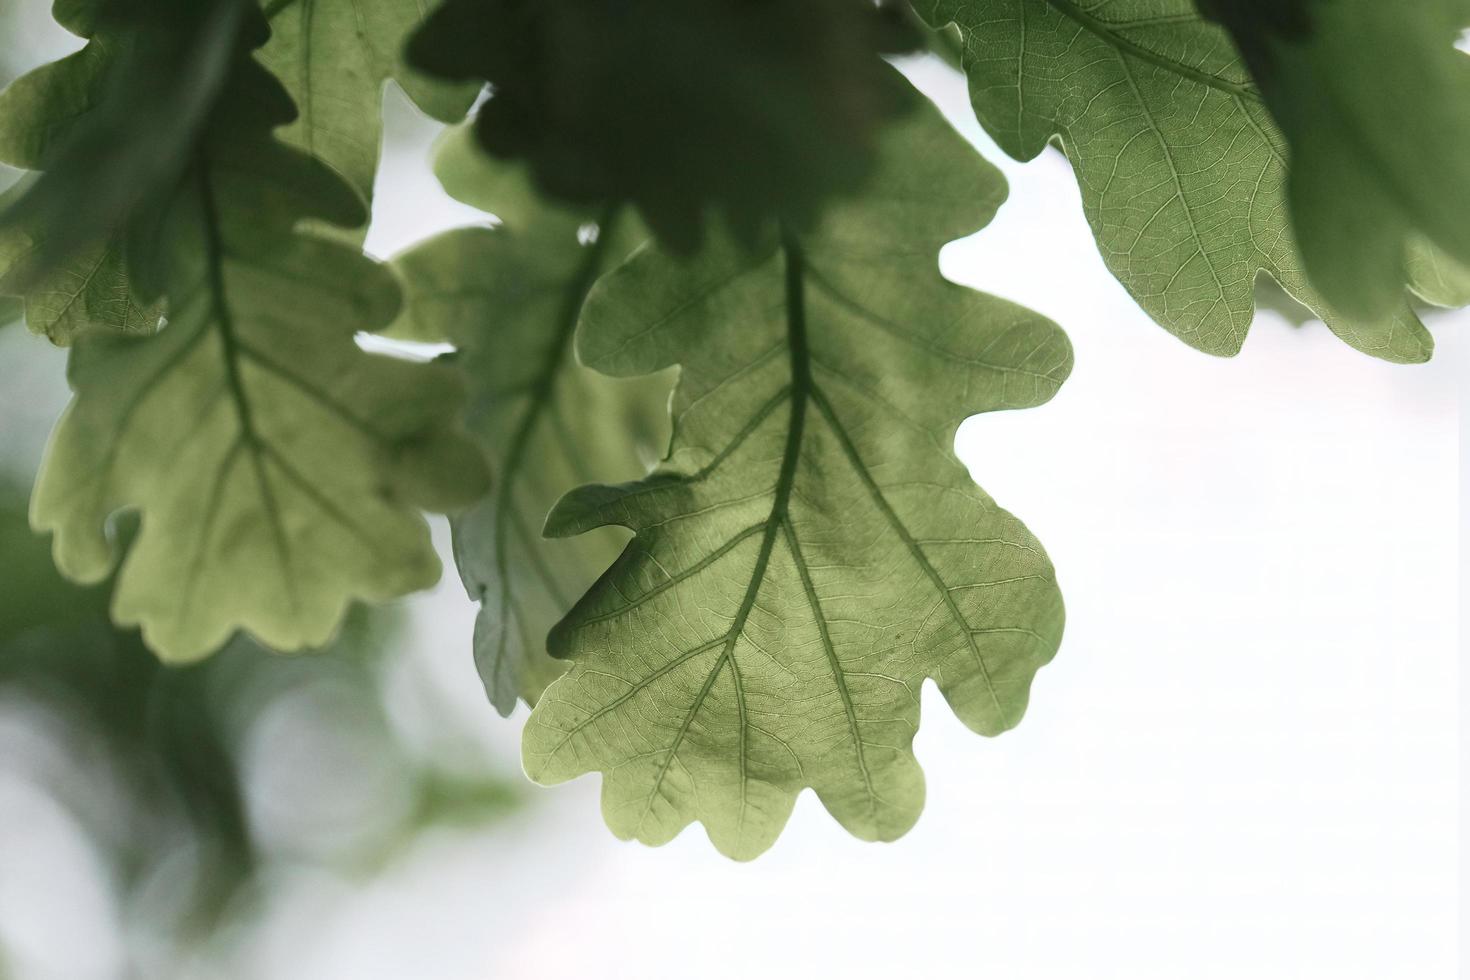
[741, 194]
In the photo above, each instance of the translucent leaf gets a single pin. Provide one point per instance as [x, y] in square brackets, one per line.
[811, 550]
[334, 57]
[1183, 173]
[509, 298]
[277, 468]
[1374, 101]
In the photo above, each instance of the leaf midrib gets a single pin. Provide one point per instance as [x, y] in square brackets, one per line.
[799, 354]
[224, 320]
[1111, 34]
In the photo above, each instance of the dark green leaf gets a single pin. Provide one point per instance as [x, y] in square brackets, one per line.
[1183, 173]
[679, 107]
[112, 126]
[1374, 100]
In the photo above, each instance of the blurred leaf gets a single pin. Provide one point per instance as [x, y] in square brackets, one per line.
[811, 550]
[1436, 277]
[503, 189]
[112, 126]
[1270, 296]
[90, 288]
[173, 740]
[1183, 174]
[509, 299]
[1374, 101]
[278, 468]
[638, 101]
[334, 56]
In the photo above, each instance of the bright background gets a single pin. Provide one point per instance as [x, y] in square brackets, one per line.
[1243, 762]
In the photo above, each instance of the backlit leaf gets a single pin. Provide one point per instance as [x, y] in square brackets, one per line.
[1182, 170]
[277, 468]
[1374, 101]
[508, 299]
[811, 550]
[334, 57]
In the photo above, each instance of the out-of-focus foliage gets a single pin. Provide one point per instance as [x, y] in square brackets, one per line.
[682, 108]
[162, 775]
[1374, 102]
[810, 551]
[1183, 173]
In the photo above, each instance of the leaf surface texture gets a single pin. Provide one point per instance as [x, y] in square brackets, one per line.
[811, 550]
[1182, 169]
[508, 298]
[278, 469]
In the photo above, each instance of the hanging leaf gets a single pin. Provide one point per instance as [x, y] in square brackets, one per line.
[277, 468]
[1183, 173]
[111, 126]
[334, 57]
[681, 108]
[508, 299]
[1374, 101]
[812, 550]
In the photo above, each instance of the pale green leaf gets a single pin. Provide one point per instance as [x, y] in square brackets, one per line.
[1437, 278]
[811, 550]
[508, 299]
[89, 289]
[334, 57]
[1182, 170]
[277, 468]
[41, 109]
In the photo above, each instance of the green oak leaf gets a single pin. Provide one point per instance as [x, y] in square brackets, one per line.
[508, 299]
[334, 57]
[684, 110]
[110, 125]
[811, 550]
[1374, 101]
[277, 468]
[1435, 277]
[470, 175]
[40, 110]
[1182, 171]
[90, 289]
